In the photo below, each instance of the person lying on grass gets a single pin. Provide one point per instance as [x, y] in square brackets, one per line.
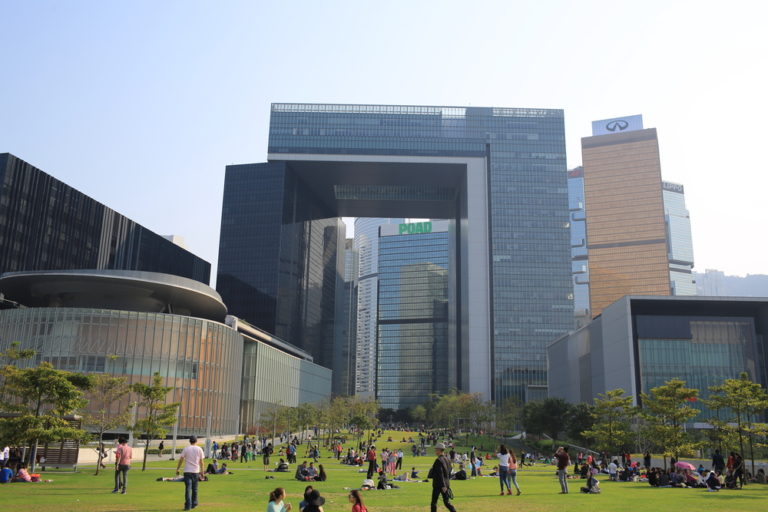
[180, 478]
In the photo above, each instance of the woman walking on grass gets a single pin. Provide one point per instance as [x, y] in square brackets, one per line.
[512, 472]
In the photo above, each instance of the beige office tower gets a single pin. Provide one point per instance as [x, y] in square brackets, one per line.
[626, 231]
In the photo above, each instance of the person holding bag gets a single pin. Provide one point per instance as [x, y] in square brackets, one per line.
[440, 474]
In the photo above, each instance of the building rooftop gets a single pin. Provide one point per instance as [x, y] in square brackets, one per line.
[125, 290]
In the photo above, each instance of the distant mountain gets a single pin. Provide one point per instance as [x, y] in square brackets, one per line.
[715, 282]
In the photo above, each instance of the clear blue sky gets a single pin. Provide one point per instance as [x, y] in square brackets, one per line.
[142, 104]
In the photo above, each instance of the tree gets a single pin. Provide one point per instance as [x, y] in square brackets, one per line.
[418, 414]
[157, 414]
[508, 415]
[362, 414]
[306, 415]
[546, 417]
[580, 419]
[11, 356]
[666, 410]
[105, 412]
[744, 400]
[38, 399]
[612, 413]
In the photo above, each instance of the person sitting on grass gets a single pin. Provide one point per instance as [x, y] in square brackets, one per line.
[301, 472]
[282, 467]
[414, 474]
[461, 474]
[593, 485]
[383, 484]
[6, 474]
[676, 479]
[321, 476]
[713, 484]
[653, 477]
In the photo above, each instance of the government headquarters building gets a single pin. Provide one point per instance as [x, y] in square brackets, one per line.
[498, 175]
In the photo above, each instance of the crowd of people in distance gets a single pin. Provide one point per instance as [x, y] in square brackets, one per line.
[725, 473]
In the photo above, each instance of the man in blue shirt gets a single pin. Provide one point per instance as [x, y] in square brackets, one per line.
[5, 475]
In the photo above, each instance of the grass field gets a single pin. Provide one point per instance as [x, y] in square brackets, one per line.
[247, 490]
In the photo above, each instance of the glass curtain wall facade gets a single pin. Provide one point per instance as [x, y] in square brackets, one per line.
[346, 324]
[366, 243]
[639, 343]
[413, 318]
[279, 257]
[202, 360]
[680, 240]
[273, 379]
[48, 225]
[532, 293]
[702, 351]
[579, 255]
[625, 217]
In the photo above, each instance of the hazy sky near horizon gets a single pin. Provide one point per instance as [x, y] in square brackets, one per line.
[141, 104]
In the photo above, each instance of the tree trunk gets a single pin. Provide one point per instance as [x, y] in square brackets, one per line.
[146, 451]
[101, 444]
[752, 453]
[33, 452]
[741, 437]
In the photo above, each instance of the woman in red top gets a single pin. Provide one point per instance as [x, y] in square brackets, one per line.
[357, 502]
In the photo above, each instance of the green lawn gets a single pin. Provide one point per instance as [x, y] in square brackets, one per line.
[247, 489]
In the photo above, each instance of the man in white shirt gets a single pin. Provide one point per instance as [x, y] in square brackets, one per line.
[613, 469]
[192, 457]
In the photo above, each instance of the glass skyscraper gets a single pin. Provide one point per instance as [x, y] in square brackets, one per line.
[500, 172]
[413, 315]
[679, 240]
[579, 255]
[367, 247]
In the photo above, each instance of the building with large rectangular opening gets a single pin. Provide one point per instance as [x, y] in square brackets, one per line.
[498, 173]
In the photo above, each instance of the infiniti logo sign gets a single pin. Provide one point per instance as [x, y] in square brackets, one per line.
[618, 125]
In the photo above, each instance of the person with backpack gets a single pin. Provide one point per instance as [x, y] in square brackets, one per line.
[440, 474]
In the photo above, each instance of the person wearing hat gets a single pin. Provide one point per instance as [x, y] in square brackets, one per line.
[315, 502]
[440, 474]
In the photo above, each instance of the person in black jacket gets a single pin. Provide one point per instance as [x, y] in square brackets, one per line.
[440, 474]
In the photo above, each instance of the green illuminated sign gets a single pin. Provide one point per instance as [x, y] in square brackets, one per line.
[415, 227]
